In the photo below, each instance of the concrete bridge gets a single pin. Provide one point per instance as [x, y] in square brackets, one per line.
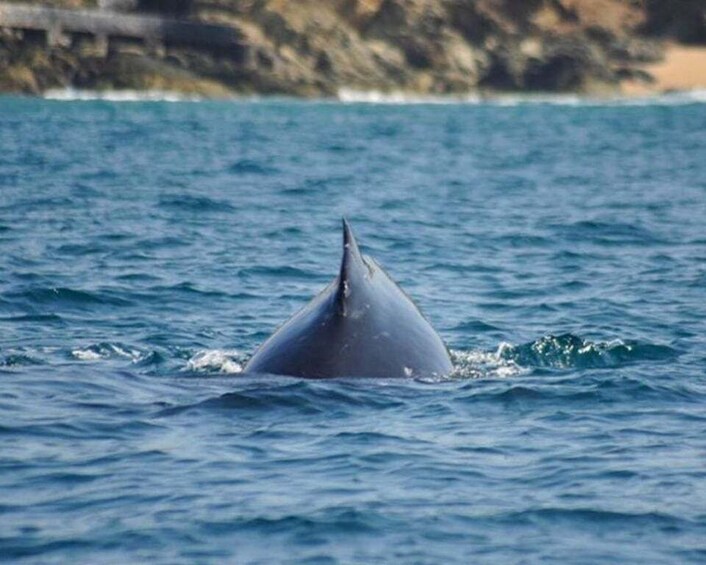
[59, 25]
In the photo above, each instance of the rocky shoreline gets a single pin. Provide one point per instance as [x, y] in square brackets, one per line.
[417, 47]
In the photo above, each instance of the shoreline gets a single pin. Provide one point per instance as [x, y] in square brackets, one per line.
[351, 97]
[680, 77]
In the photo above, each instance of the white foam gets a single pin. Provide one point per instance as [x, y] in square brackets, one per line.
[71, 94]
[352, 96]
[216, 360]
[349, 95]
[106, 351]
[86, 355]
[484, 364]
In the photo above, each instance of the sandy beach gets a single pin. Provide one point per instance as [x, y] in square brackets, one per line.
[683, 68]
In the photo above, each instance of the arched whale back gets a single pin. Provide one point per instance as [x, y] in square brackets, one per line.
[362, 324]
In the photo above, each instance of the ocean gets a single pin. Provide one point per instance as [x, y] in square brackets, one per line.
[147, 247]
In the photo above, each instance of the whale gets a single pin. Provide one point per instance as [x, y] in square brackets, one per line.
[361, 325]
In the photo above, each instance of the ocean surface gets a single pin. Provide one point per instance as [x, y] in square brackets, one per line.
[147, 248]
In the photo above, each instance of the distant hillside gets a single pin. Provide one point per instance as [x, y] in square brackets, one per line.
[317, 48]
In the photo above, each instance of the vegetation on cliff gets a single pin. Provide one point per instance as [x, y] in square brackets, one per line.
[314, 48]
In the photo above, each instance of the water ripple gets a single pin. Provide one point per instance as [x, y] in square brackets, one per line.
[146, 256]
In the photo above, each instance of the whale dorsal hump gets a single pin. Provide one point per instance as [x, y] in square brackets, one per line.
[354, 273]
[361, 325]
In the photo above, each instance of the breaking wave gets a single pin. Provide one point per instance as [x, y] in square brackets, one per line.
[73, 94]
[483, 364]
[104, 350]
[560, 352]
[352, 96]
[216, 361]
[568, 351]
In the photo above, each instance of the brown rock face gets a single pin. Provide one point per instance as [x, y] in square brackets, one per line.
[314, 48]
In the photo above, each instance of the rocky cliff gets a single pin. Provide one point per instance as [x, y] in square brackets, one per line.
[317, 48]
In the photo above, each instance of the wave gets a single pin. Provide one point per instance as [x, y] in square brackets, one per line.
[563, 352]
[73, 94]
[19, 359]
[467, 364]
[65, 296]
[483, 364]
[251, 167]
[198, 204]
[263, 393]
[352, 96]
[105, 350]
[349, 95]
[30, 318]
[216, 361]
[603, 517]
[606, 233]
[568, 351]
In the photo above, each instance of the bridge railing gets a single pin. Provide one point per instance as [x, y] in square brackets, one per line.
[118, 25]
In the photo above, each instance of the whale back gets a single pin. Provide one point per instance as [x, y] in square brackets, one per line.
[361, 325]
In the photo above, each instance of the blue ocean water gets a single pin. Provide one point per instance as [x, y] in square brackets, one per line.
[147, 248]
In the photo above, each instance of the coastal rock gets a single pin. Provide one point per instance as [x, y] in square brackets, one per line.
[310, 48]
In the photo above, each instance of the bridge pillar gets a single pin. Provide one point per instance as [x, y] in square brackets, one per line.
[155, 47]
[56, 37]
[102, 44]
